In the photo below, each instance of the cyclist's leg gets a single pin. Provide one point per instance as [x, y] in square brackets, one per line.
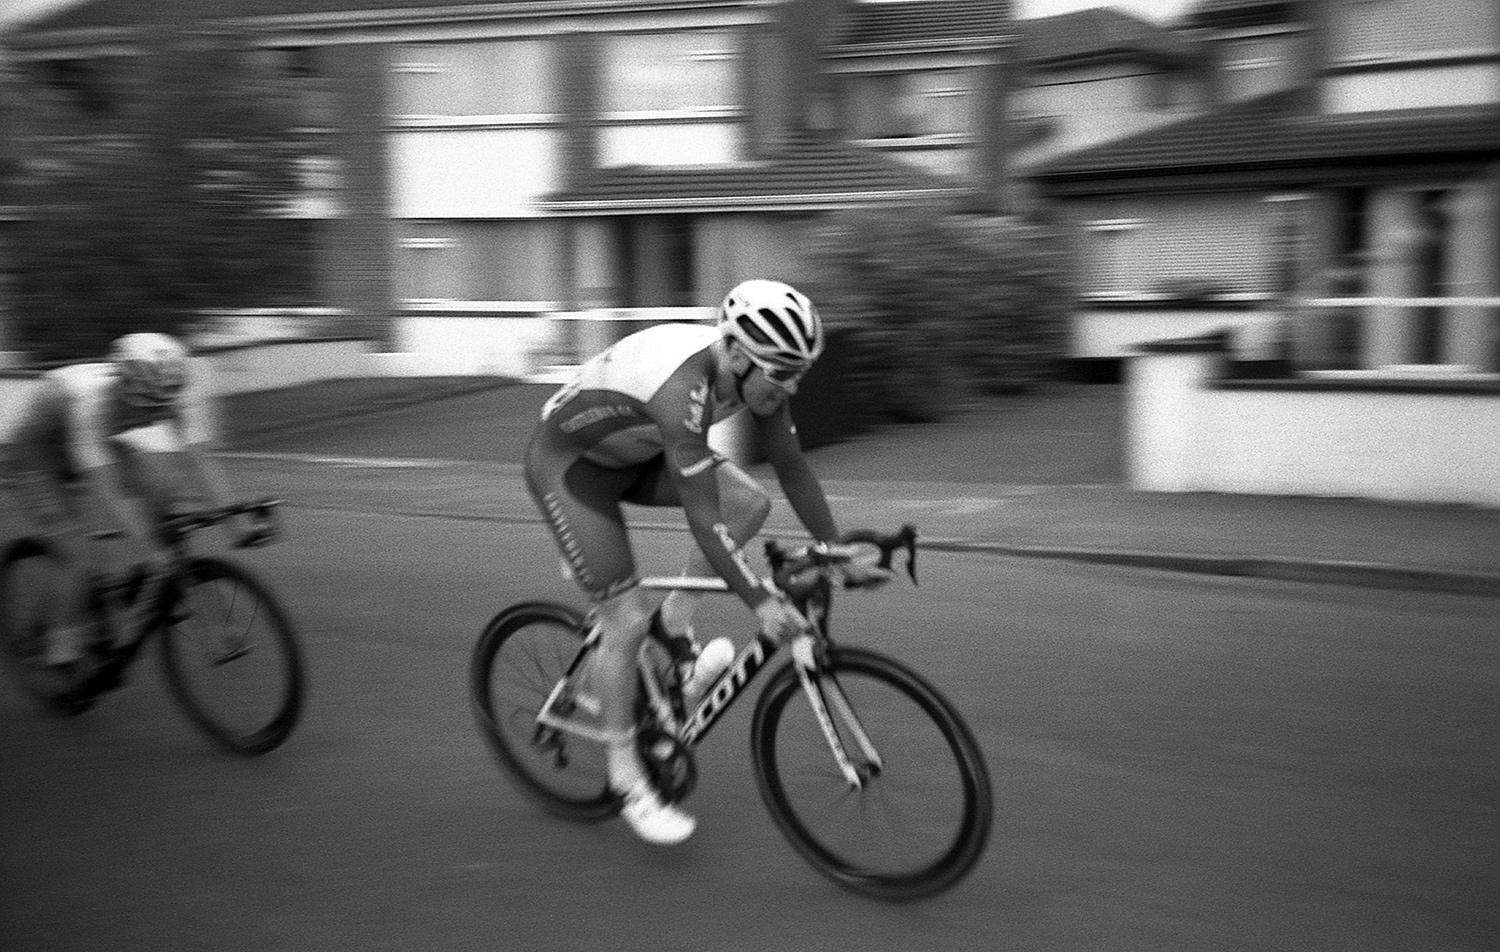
[151, 478]
[745, 505]
[581, 502]
[52, 508]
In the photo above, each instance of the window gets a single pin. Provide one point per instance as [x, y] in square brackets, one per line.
[1108, 245]
[657, 260]
[907, 105]
[469, 80]
[1430, 253]
[479, 260]
[670, 99]
[1256, 65]
[693, 72]
[1288, 240]
[1363, 30]
[1191, 247]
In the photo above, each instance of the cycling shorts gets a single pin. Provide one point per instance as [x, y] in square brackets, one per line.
[581, 500]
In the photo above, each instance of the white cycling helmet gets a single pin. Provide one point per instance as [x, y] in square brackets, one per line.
[153, 368]
[775, 323]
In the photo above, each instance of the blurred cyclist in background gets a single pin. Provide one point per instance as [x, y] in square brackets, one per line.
[107, 445]
[633, 427]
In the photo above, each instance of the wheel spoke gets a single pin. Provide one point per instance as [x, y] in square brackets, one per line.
[232, 659]
[920, 820]
[516, 665]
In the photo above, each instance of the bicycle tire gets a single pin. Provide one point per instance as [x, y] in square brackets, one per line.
[521, 655]
[27, 589]
[209, 614]
[793, 765]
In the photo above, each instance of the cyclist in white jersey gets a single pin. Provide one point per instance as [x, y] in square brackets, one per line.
[633, 427]
[108, 442]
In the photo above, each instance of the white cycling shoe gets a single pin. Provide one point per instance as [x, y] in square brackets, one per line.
[653, 820]
[712, 661]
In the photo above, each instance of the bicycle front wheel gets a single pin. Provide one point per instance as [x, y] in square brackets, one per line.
[522, 657]
[34, 584]
[231, 657]
[920, 816]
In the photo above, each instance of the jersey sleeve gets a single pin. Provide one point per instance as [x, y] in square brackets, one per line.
[195, 416]
[87, 427]
[28, 427]
[778, 439]
[683, 409]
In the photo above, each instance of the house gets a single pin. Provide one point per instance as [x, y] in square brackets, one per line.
[926, 82]
[1098, 74]
[481, 167]
[1339, 206]
[1335, 214]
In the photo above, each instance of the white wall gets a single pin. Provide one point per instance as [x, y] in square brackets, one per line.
[275, 365]
[482, 345]
[1185, 435]
[1467, 85]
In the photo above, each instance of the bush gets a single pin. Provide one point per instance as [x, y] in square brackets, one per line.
[151, 196]
[941, 306]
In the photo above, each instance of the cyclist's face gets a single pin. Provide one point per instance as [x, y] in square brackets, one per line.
[765, 392]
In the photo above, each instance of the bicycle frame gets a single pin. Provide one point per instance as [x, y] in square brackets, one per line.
[815, 600]
[151, 593]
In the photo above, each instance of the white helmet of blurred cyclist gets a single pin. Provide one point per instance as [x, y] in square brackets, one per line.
[152, 368]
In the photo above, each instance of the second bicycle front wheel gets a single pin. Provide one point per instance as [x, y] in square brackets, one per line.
[519, 661]
[231, 657]
[920, 817]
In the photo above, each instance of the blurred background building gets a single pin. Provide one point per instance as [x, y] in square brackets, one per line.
[1322, 177]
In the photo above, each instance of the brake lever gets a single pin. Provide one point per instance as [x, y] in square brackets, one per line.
[907, 538]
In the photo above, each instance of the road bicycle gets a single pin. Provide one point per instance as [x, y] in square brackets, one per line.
[227, 648]
[865, 767]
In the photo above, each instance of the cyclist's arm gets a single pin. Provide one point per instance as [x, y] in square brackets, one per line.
[778, 439]
[682, 419]
[203, 468]
[103, 473]
[106, 483]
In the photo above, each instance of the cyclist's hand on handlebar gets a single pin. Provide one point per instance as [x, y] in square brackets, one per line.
[780, 620]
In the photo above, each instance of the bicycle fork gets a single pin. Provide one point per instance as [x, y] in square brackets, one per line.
[820, 690]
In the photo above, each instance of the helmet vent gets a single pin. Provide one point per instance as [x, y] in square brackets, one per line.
[754, 331]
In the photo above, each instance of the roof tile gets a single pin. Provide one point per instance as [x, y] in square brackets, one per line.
[1273, 130]
[1095, 32]
[128, 14]
[922, 23]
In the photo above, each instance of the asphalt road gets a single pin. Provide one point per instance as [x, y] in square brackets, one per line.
[1181, 763]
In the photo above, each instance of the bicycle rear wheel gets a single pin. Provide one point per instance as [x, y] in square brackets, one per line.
[921, 818]
[521, 657]
[33, 591]
[231, 657]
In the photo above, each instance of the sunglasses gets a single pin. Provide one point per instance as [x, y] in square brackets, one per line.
[782, 377]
